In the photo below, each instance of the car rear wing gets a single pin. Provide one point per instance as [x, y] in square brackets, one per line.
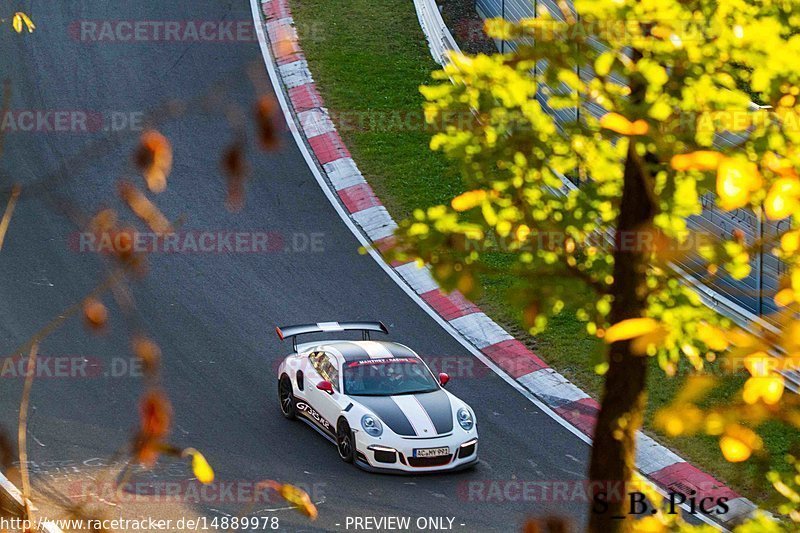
[292, 332]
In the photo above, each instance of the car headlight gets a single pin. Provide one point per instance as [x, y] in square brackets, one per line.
[465, 419]
[372, 425]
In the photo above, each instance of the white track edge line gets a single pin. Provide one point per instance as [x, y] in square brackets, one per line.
[374, 253]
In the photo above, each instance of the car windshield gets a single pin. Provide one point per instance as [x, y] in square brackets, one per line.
[387, 377]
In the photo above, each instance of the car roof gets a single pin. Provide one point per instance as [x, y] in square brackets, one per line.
[348, 351]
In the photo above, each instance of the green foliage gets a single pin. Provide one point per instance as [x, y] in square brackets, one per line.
[697, 64]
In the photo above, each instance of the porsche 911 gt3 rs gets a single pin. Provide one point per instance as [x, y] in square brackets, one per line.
[376, 400]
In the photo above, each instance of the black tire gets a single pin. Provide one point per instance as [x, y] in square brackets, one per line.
[286, 398]
[344, 441]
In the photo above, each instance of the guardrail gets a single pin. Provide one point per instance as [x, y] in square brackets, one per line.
[440, 40]
[12, 505]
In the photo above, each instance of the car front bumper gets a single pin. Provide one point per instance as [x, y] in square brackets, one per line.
[397, 455]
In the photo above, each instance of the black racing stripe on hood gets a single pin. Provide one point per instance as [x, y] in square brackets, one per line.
[351, 351]
[437, 405]
[389, 413]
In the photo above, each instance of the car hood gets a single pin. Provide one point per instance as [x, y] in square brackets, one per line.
[413, 415]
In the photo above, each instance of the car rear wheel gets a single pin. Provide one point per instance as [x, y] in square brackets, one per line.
[344, 441]
[286, 398]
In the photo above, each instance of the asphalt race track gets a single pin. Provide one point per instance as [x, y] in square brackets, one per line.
[214, 314]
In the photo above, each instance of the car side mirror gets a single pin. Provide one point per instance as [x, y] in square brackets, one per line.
[443, 379]
[326, 386]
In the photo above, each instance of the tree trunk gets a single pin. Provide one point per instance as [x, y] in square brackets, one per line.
[613, 458]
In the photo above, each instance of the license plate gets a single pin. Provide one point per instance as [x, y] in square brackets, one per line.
[431, 452]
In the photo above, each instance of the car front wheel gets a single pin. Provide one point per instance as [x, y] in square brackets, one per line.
[344, 441]
[286, 398]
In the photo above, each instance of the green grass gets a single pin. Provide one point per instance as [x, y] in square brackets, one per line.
[372, 57]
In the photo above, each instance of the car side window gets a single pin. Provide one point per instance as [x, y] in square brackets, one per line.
[325, 367]
[333, 373]
[316, 361]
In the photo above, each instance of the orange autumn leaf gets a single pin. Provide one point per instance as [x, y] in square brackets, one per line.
[122, 241]
[95, 313]
[154, 159]
[700, 160]
[285, 41]
[619, 124]
[234, 167]
[144, 208]
[104, 221]
[155, 415]
[295, 496]
[266, 115]
[147, 352]
[146, 452]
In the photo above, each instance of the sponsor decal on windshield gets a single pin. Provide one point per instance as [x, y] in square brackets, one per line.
[383, 361]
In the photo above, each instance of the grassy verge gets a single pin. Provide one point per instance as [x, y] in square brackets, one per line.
[371, 59]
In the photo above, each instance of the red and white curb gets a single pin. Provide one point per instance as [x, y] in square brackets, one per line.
[346, 186]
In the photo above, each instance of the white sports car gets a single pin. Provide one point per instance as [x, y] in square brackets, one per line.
[377, 401]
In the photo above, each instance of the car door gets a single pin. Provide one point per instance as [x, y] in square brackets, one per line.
[326, 406]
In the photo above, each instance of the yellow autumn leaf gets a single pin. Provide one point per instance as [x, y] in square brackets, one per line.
[759, 364]
[630, 329]
[734, 450]
[522, 232]
[696, 387]
[714, 424]
[468, 200]
[649, 524]
[712, 337]
[20, 18]
[661, 32]
[737, 178]
[738, 443]
[202, 470]
[769, 389]
[783, 199]
[619, 124]
[784, 298]
[790, 241]
[781, 167]
[643, 344]
[28, 22]
[700, 160]
[679, 419]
